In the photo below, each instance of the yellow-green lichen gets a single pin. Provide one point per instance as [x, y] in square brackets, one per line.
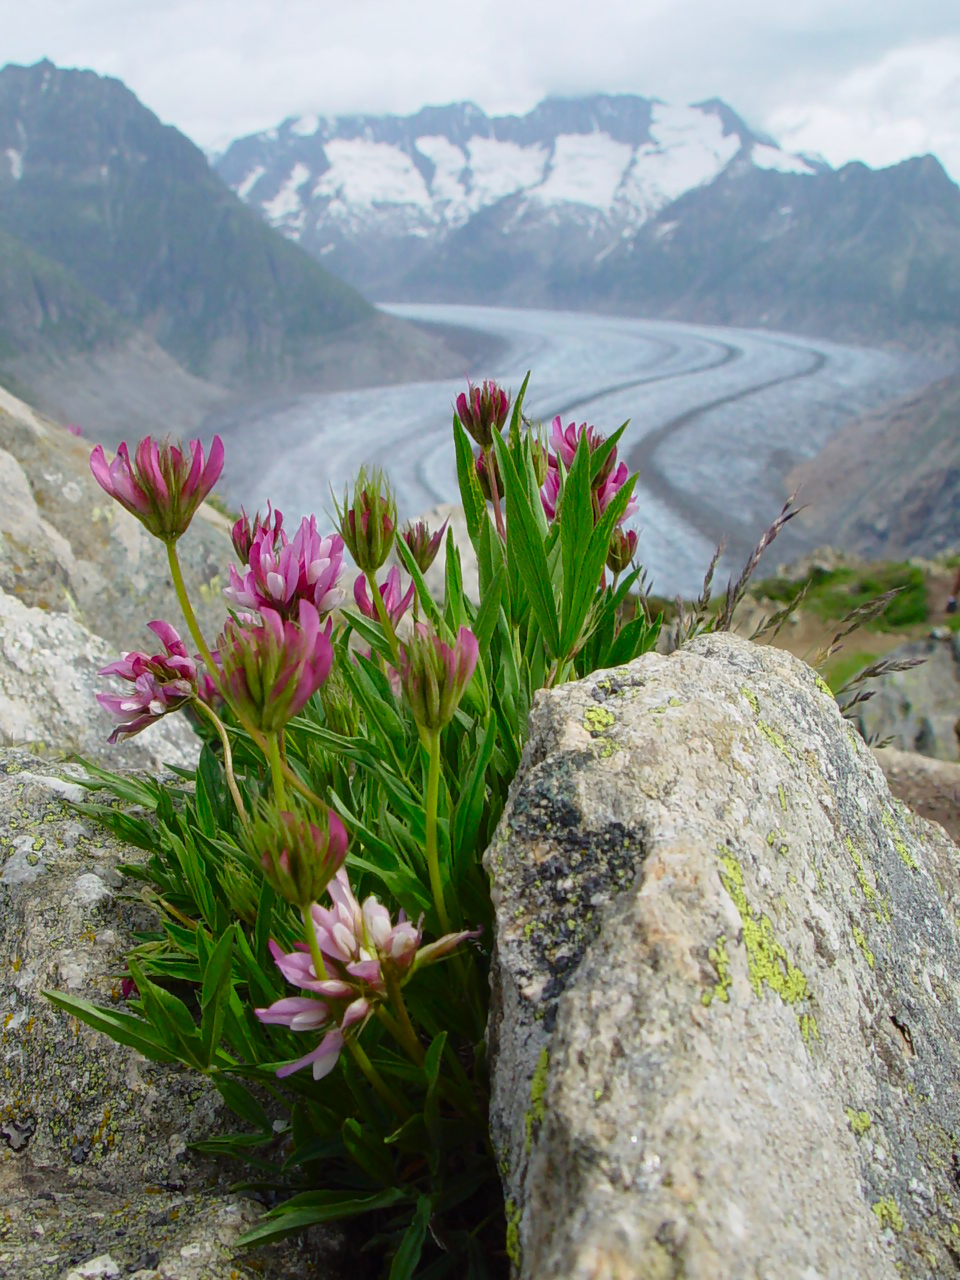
[823, 686]
[513, 1233]
[773, 736]
[721, 962]
[783, 796]
[903, 853]
[538, 1090]
[752, 698]
[860, 939]
[875, 901]
[598, 719]
[859, 1121]
[888, 1213]
[767, 960]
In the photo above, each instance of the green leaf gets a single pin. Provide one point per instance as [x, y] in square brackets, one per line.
[370, 632]
[315, 1207]
[576, 526]
[471, 495]
[369, 1151]
[169, 1015]
[598, 459]
[594, 559]
[125, 1028]
[431, 1108]
[407, 1258]
[486, 620]
[241, 1101]
[469, 807]
[454, 610]
[525, 548]
[217, 987]
[517, 416]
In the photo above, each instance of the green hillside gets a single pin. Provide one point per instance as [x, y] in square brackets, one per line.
[93, 181]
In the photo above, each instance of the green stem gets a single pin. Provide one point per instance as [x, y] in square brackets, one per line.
[408, 1036]
[276, 770]
[385, 622]
[319, 968]
[494, 492]
[433, 793]
[380, 1086]
[227, 756]
[180, 588]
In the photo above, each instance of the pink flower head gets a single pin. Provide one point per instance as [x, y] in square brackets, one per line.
[298, 857]
[394, 944]
[550, 493]
[368, 521]
[623, 546]
[164, 485]
[280, 574]
[611, 486]
[483, 410]
[566, 440]
[74, 429]
[161, 684]
[423, 544]
[395, 604]
[435, 675]
[243, 533]
[271, 671]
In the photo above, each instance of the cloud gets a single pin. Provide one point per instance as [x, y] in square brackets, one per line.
[870, 77]
[906, 103]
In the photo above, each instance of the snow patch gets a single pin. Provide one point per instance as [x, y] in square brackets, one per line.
[765, 157]
[499, 169]
[305, 126]
[367, 174]
[449, 164]
[286, 207]
[587, 168]
[16, 163]
[250, 181]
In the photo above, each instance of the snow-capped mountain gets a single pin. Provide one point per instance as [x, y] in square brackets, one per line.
[373, 196]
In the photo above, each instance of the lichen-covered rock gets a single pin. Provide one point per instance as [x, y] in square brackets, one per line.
[67, 547]
[929, 787]
[725, 1039]
[918, 709]
[48, 685]
[94, 1158]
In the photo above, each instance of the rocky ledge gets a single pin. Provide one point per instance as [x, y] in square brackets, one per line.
[725, 1039]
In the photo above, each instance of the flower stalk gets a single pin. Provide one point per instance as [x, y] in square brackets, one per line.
[218, 724]
[431, 740]
[180, 587]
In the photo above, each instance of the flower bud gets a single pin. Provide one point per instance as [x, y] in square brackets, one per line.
[270, 672]
[423, 544]
[368, 523]
[623, 544]
[299, 858]
[163, 486]
[483, 410]
[435, 675]
[244, 535]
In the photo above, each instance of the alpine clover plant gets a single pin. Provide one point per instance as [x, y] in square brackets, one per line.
[323, 922]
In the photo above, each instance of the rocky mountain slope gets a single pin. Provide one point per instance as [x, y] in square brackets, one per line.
[124, 253]
[888, 485]
[614, 202]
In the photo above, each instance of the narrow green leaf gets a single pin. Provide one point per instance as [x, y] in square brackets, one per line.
[466, 815]
[316, 1207]
[525, 548]
[369, 1151]
[576, 525]
[454, 610]
[125, 1028]
[471, 495]
[241, 1101]
[407, 1258]
[594, 558]
[217, 986]
[486, 621]
[516, 417]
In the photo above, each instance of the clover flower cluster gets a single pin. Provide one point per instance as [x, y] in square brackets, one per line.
[363, 952]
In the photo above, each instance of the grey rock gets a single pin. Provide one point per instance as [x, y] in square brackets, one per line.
[67, 547]
[48, 685]
[725, 1034]
[931, 788]
[918, 710]
[96, 1178]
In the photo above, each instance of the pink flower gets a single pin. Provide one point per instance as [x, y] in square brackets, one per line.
[161, 684]
[163, 486]
[280, 574]
[435, 675]
[423, 544]
[394, 603]
[483, 410]
[270, 672]
[323, 1058]
[243, 534]
[550, 493]
[605, 485]
[74, 429]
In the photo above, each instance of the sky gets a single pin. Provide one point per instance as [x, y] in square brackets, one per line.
[875, 80]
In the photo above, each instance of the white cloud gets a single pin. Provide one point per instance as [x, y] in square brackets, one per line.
[906, 103]
[870, 77]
